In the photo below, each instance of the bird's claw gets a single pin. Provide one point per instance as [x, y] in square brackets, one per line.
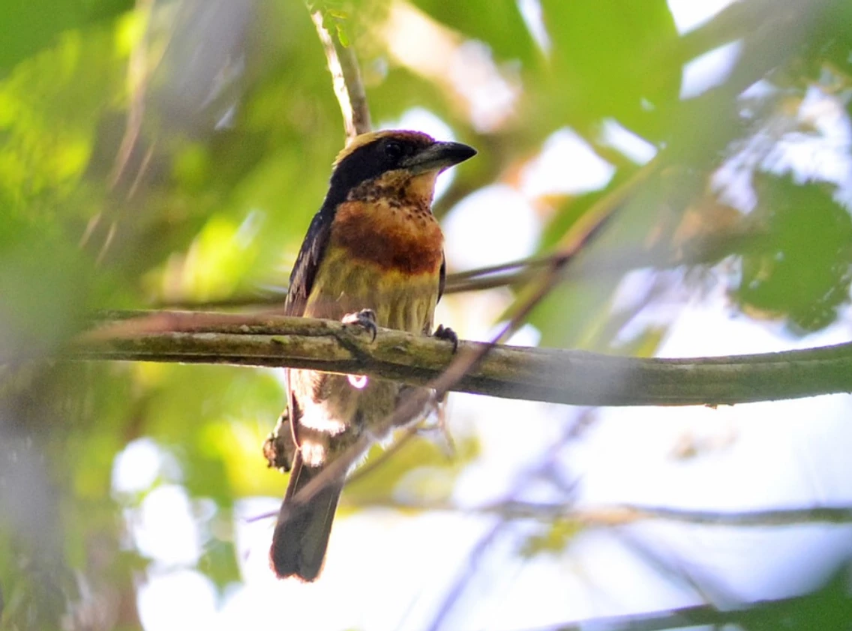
[279, 448]
[366, 319]
[446, 333]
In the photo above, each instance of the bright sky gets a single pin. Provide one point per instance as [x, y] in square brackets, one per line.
[630, 455]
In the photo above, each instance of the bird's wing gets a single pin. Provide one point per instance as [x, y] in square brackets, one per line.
[442, 278]
[305, 270]
[301, 281]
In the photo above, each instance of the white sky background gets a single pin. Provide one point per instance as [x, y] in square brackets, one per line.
[749, 456]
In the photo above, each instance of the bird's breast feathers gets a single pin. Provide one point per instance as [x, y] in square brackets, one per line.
[391, 227]
[384, 253]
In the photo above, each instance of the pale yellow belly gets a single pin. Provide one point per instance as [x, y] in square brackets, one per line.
[334, 411]
[405, 303]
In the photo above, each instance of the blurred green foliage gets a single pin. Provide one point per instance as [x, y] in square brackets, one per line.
[175, 152]
[803, 270]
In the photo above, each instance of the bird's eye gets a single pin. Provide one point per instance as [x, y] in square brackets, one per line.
[393, 150]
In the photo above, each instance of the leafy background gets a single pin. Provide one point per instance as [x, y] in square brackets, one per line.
[163, 153]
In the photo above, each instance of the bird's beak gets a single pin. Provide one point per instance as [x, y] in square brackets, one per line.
[439, 156]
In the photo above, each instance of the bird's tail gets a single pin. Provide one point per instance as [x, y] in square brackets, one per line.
[301, 535]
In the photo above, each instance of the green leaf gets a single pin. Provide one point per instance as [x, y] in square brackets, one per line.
[802, 271]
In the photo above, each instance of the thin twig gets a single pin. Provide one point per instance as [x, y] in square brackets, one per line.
[623, 515]
[532, 471]
[520, 271]
[345, 75]
[797, 612]
[374, 463]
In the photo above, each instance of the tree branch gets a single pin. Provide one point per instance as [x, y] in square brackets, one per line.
[552, 375]
[623, 515]
[797, 612]
[345, 73]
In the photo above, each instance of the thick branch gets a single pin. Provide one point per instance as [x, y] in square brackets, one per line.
[553, 375]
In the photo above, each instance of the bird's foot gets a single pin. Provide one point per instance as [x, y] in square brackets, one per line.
[366, 319]
[446, 333]
[279, 448]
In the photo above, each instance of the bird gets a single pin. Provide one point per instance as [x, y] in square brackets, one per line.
[372, 256]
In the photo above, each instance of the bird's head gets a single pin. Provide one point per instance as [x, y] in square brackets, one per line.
[394, 158]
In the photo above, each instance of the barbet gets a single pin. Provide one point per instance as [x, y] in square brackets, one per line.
[374, 255]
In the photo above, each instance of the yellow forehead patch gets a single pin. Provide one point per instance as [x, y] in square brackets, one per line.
[365, 139]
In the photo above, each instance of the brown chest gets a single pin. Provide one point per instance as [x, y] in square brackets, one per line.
[404, 237]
